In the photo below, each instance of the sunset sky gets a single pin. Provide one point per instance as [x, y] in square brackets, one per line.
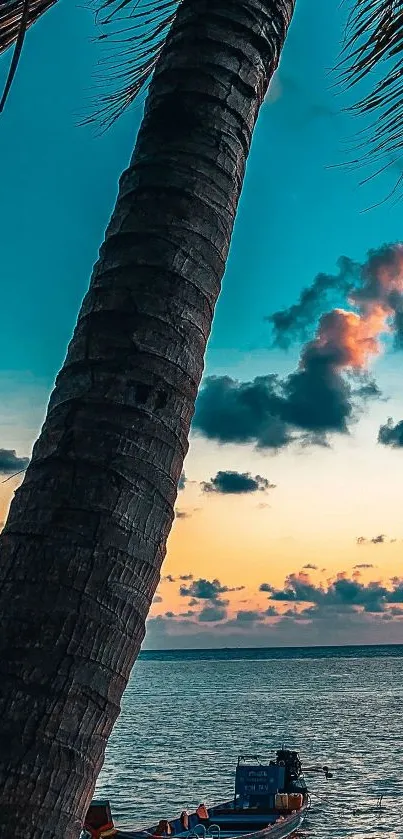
[289, 521]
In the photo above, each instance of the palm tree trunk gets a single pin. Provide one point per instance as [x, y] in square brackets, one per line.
[86, 534]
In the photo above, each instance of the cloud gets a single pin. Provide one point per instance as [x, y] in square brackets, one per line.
[310, 567]
[248, 616]
[294, 322]
[391, 435]
[212, 614]
[157, 598]
[10, 462]
[168, 579]
[381, 539]
[182, 481]
[342, 611]
[236, 483]
[305, 406]
[327, 390]
[202, 589]
[375, 288]
[186, 577]
[182, 514]
[363, 565]
[342, 594]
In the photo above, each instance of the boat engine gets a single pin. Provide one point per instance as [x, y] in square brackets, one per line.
[292, 764]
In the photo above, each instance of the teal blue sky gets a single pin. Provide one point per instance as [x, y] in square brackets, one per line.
[298, 214]
[59, 182]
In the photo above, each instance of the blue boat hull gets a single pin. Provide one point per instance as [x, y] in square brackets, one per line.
[277, 829]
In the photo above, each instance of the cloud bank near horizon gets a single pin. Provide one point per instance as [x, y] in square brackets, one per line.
[301, 611]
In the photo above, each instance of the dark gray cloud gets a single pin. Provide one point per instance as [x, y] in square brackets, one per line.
[376, 280]
[310, 567]
[157, 598]
[341, 594]
[236, 483]
[249, 616]
[363, 565]
[367, 390]
[381, 539]
[294, 323]
[202, 589]
[271, 412]
[212, 614]
[10, 462]
[180, 615]
[241, 412]
[182, 577]
[182, 514]
[391, 435]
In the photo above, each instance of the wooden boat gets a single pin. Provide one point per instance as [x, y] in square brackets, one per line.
[270, 802]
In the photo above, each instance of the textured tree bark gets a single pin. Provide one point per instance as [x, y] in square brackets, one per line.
[86, 534]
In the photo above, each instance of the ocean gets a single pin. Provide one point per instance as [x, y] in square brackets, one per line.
[187, 715]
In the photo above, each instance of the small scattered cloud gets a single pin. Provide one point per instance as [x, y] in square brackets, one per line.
[202, 589]
[236, 483]
[391, 435]
[212, 614]
[168, 579]
[249, 616]
[11, 463]
[182, 514]
[381, 539]
[363, 566]
[310, 567]
[157, 598]
[182, 481]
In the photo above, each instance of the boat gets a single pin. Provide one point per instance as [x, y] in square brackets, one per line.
[270, 801]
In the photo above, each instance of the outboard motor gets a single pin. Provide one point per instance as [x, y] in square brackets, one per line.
[292, 764]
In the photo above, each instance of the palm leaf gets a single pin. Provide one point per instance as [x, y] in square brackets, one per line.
[11, 15]
[374, 45]
[135, 29]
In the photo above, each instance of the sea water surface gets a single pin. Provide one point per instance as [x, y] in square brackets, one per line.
[187, 715]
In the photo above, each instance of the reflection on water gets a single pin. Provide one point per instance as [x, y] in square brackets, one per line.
[183, 724]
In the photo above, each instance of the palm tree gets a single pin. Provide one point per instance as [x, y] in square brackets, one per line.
[86, 534]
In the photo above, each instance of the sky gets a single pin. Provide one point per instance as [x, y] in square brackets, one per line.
[288, 526]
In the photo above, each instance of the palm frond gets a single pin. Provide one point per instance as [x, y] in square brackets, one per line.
[374, 45]
[12, 13]
[135, 30]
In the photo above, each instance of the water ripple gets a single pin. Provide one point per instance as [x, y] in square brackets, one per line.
[183, 724]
